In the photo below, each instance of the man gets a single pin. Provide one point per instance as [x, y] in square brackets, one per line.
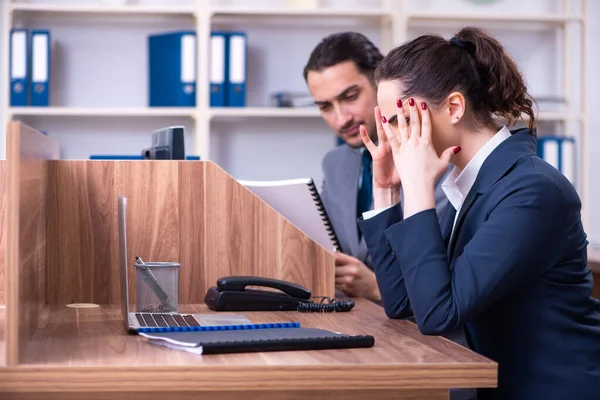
[339, 75]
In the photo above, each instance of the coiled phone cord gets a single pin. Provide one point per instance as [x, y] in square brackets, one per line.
[332, 305]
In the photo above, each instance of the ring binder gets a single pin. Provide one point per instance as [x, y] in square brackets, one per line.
[324, 216]
[303, 208]
[277, 325]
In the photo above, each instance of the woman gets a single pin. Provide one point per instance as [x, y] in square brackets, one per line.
[507, 260]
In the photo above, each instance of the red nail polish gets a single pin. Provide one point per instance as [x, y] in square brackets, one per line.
[399, 103]
[457, 149]
[423, 106]
[383, 119]
[411, 102]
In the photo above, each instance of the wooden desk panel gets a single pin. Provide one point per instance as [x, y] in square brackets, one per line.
[2, 337]
[191, 212]
[383, 394]
[89, 351]
[2, 229]
[28, 154]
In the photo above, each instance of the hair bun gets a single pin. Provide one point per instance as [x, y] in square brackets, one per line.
[464, 44]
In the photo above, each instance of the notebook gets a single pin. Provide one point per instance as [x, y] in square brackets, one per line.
[245, 341]
[298, 201]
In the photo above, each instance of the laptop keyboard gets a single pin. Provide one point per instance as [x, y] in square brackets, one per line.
[165, 320]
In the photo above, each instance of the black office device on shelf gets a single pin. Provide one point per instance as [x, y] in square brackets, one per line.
[167, 144]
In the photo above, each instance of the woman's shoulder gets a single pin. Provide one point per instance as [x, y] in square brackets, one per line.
[534, 174]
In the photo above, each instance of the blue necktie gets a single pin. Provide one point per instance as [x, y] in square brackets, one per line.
[365, 193]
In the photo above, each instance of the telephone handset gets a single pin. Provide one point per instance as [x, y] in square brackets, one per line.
[232, 294]
[239, 283]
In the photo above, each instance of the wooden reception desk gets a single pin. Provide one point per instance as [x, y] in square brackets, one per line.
[62, 248]
[86, 353]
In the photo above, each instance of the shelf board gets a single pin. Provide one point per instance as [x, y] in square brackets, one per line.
[102, 9]
[298, 12]
[215, 112]
[102, 112]
[263, 112]
[488, 17]
[557, 116]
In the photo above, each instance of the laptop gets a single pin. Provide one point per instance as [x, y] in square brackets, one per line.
[142, 321]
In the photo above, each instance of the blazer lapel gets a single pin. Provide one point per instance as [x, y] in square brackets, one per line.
[446, 221]
[348, 191]
[471, 197]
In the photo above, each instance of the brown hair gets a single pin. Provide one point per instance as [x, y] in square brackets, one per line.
[473, 63]
[343, 46]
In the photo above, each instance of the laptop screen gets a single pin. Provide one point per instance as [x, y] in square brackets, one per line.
[123, 258]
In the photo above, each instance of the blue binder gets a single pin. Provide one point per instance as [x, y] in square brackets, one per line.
[130, 157]
[218, 48]
[236, 69]
[172, 69]
[18, 73]
[559, 151]
[548, 148]
[40, 68]
[222, 328]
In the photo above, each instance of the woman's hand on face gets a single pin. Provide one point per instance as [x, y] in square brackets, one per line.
[415, 158]
[385, 175]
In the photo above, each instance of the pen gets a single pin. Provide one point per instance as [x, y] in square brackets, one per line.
[150, 279]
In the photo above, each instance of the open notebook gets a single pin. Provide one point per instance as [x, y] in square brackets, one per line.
[298, 201]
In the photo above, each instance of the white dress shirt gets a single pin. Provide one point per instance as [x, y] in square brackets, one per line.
[457, 184]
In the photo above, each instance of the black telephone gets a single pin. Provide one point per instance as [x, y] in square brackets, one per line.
[231, 294]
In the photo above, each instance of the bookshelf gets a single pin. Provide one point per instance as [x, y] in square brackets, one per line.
[274, 28]
[479, 17]
[15, 112]
[248, 12]
[100, 8]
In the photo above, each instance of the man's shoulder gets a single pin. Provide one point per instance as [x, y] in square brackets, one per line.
[340, 152]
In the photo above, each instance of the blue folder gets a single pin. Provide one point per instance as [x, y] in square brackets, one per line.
[18, 71]
[218, 70]
[172, 69]
[40, 68]
[130, 157]
[236, 70]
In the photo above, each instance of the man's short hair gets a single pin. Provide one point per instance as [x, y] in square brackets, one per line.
[344, 46]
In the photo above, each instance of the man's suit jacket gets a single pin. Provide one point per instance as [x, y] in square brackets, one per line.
[514, 273]
[341, 170]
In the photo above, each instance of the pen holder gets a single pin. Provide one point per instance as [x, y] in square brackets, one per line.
[156, 287]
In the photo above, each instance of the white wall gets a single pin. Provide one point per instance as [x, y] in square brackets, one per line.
[594, 125]
[256, 148]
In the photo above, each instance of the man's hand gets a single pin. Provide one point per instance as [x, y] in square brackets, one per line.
[354, 278]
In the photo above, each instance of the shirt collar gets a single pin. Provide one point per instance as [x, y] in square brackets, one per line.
[457, 185]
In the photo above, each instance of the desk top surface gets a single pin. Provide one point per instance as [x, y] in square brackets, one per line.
[94, 342]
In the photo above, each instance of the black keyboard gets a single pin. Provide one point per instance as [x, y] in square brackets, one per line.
[165, 320]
